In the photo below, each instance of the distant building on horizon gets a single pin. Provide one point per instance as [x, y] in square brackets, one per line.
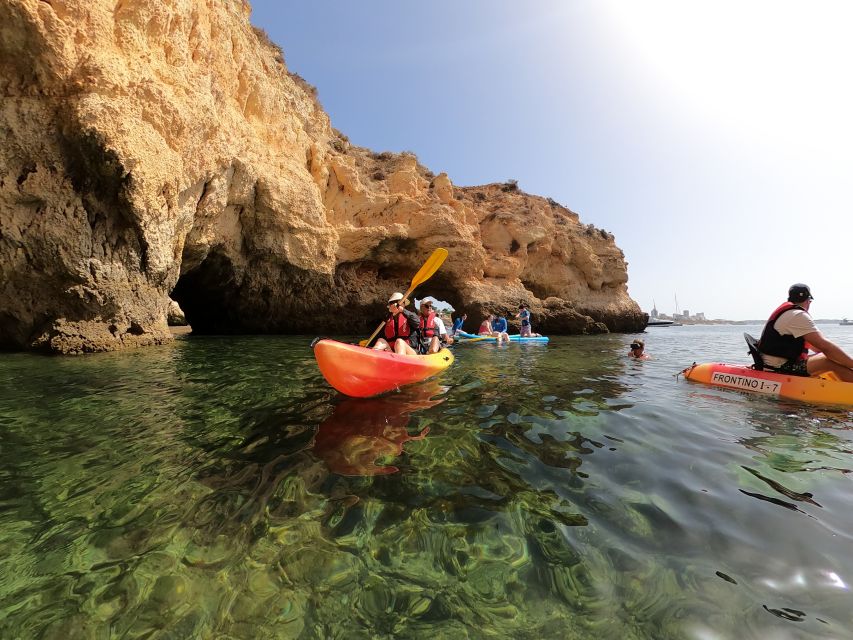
[684, 316]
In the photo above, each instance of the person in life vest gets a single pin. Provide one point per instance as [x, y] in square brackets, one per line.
[638, 350]
[400, 333]
[431, 329]
[790, 332]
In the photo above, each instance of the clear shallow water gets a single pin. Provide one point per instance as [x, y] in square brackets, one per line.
[217, 487]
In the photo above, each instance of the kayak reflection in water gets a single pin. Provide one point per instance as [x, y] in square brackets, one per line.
[362, 430]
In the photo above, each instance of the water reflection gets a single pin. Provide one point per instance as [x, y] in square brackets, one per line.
[562, 491]
[361, 431]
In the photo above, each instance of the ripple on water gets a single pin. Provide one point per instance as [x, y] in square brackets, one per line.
[218, 487]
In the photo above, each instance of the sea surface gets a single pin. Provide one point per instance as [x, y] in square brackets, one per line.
[218, 488]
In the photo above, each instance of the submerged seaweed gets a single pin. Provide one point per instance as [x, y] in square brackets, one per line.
[218, 488]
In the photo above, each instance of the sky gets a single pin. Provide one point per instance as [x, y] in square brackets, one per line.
[714, 140]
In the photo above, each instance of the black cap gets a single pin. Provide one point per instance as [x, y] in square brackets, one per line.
[799, 293]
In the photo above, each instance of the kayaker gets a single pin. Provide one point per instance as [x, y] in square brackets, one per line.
[790, 332]
[457, 324]
[638, 350]
[431, 329]
[400, 333]
[524, 315]
[499, 329]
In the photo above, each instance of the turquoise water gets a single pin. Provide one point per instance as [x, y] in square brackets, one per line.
[218, 488]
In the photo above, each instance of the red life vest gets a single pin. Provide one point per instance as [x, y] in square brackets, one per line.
[774, 343]
[427, 325]
[397, 327]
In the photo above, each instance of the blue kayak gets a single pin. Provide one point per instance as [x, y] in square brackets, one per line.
[462, 336]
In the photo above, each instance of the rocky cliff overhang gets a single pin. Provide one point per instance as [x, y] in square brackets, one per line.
[161, 147]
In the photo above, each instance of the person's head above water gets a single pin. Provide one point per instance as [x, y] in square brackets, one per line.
[637, 345]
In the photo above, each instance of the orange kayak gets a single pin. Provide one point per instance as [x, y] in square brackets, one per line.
[361, 372]
[820, 390]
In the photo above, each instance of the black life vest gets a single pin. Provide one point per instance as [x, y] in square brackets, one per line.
[774, 343]
[397, 327]
[427, 325]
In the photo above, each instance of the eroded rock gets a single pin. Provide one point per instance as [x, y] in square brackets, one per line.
[161, 146]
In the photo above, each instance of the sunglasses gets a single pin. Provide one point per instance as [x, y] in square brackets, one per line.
[393, 304]
[636, 346]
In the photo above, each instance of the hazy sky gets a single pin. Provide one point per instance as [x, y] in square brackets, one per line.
[714, 140]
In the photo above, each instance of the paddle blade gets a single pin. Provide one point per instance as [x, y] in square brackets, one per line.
[424, 273]
[430, 267]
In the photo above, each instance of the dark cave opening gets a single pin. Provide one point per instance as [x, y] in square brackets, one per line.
[208, 295]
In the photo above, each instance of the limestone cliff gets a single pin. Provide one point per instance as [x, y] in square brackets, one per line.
[157, 147]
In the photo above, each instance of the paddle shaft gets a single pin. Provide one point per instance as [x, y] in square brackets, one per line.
[424, 273]
[382, 324]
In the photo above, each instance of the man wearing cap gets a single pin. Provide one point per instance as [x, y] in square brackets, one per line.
[790, 332]
[431, 329]
[400, 333]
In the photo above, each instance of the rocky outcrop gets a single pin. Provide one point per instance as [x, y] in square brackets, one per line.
[161, 146]
[175, 316]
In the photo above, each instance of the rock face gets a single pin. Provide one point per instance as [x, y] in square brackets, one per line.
[161, 146]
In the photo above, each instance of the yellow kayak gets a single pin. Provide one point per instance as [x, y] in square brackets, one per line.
[820, 390]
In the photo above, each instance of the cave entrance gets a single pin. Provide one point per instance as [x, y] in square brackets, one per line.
[447, 299]
[176, 318]
[207, 296]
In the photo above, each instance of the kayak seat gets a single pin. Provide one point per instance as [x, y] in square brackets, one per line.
[752, 345]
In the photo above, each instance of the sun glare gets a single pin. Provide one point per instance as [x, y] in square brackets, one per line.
[773, 71]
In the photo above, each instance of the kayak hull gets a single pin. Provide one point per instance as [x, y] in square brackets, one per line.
[463, 336]
[361, 373]
[730, 376]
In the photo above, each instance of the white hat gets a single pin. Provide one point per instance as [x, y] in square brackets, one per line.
[395, 297]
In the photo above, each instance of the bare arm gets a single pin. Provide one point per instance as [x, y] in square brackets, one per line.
[831, 350]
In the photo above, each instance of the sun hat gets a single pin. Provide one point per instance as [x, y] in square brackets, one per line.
[395, 297]
[799, 292]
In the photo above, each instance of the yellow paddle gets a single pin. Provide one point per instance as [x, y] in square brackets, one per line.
[425, 273]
